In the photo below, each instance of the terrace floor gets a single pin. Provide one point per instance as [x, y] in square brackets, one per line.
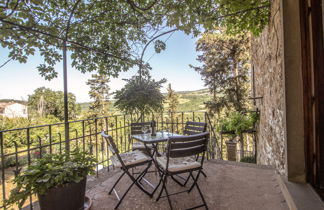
[229, 185]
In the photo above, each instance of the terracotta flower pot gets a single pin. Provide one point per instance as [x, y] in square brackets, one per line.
[65, 197]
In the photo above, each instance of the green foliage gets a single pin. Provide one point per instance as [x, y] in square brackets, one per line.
[10, 123]
[248, 159]
[10, 161]
[114, 30]
[237, 122]
[193, 100]
[172, 100]
[19, 136]
[254, 117]
[45, 102]
[159, 46]
[188, 101]
[99, 92]
[234, 16]
[141, 95]
[48, 72]
[250, 21]
[225, 70]
[50, 171]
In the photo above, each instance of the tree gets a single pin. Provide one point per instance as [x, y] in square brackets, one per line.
[140, 95]
[173, 102]
[107, 36]
[172, 99]
[99, 92]
[247, 16]
[45, 102]
[225, 70]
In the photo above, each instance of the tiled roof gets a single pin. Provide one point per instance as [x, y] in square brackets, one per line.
[5, 104]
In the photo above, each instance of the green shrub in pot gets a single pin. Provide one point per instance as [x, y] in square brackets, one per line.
[236, 123]
[52, 170]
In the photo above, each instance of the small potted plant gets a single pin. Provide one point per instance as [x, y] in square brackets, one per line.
[59, 180]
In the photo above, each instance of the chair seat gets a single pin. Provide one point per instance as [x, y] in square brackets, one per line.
[130, 158]
[178, 164]
[140, 146]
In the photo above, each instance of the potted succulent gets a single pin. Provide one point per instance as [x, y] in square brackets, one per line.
[59, 180]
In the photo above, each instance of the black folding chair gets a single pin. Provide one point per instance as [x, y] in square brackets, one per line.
[192, 128]
[136, 128]
[127, 161]
[178, 160]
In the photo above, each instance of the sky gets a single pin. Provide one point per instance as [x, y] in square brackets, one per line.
[17, 81]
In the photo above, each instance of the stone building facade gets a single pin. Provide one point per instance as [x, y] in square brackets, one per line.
[288, 68]
[268, 82]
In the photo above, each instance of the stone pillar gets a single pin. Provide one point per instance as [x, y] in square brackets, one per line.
[294, 104]
[231, 150]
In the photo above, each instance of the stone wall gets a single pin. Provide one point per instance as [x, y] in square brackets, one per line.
[267, 60]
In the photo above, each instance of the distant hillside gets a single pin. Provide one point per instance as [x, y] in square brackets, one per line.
[192, 100]
[188, 101]
[12, 100]
[201, 91]
[84, 106]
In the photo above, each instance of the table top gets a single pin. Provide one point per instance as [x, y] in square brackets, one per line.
[160, 137]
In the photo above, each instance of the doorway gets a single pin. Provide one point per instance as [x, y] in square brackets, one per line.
[311, 17]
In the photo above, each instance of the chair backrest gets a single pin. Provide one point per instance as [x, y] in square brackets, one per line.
[113, 148]
[110, 143]
[136, 128]
[183, 146]
[192, 128]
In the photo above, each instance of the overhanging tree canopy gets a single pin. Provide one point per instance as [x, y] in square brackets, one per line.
[107, 36]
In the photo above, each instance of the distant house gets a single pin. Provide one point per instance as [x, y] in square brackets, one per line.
[13, 109]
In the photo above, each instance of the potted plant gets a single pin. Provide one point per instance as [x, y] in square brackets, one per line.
[59, 180]
[237, 123]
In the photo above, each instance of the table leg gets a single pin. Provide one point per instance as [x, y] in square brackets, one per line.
[152, 154]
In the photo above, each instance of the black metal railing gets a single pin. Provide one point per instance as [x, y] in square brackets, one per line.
[247, 156]
[249, 144]
[22, 146]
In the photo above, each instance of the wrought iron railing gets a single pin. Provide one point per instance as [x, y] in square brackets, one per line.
[245, 154]
[20, 147]
[249, 142]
